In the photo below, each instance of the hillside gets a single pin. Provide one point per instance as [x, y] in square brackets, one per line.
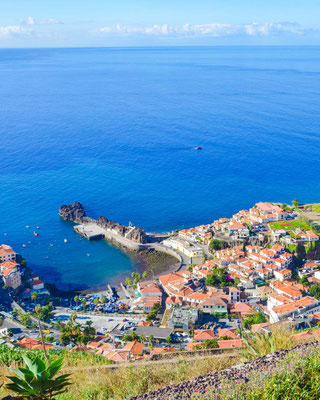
[217, 377]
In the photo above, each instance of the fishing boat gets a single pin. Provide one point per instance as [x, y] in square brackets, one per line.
[198, 148]
[35, 233]
[24, 245]
[65, 240]
[88, 254]
[27, 226]
[38, 227]
[51, 245]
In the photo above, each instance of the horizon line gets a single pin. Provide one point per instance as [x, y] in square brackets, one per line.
[158, 46]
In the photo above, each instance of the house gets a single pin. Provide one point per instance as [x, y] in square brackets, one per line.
[191, 250]
[37, 284]
[215, 304]
[11, 275]
[234, 294]
[135, 348]
[238, 229]
[32, 344]
[241, 309]
[182, 318]
[283, 274]
[117, 356]
[201, 335]
[304, 305]
[227, 332]
[7, 254]
[230, 344]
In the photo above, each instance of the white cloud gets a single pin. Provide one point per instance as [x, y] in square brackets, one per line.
[33, 21]
[213, 30]
[13, 30]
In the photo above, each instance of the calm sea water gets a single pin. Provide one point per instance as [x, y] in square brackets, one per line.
[116, 129]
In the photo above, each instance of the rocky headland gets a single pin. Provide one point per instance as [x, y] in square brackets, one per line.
[75, 212]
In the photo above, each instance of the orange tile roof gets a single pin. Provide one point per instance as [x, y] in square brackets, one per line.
[135, 348]
[230, 344]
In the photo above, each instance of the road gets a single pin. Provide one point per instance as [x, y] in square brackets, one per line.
[108, 322]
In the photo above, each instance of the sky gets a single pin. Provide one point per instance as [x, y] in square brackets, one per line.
[82, 23]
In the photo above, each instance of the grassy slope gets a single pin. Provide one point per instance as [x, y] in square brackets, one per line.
[101, 383]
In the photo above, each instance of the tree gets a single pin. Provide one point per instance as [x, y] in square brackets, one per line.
[218, 277]
[210, 344]
[295, 202]
[256, 318]
[103, 300]
[304, 281]
[315, 291]
[96, 301]
[25, 319]
[216, 244]
[76, 299]
[145, 275]
[168, 339]
[34, 296]
[150, 338]
[128, 282]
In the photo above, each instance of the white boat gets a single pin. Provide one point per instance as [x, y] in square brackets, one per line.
[27, 226]
[65, 240]
[88, 254]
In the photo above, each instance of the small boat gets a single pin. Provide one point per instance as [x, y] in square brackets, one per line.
[24, 245]
[198, 148]
[88, 254]
[51, 245]
[35, 233]
[65, 240]
[38, 227]
[27, 226]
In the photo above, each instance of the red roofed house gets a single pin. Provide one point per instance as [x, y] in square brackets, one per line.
[230, 344]
[201, 335]
[241, 309]
[29, 343]
[6, 253]
[11, 275]
[135, 348]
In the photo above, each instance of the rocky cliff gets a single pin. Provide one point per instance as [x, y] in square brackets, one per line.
[135, 234]
[73, 212]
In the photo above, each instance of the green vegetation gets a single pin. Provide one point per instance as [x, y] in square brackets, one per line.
[37, 380]
[152, 316]
[73, 332]
[216, 244]
[295, 378]
[315, 291]
[290, 225]
[316, 207]
[218, 278]
[295, 203]
[206, 345]
[256, 318]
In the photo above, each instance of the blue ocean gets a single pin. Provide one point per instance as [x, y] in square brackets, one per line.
[116, 129]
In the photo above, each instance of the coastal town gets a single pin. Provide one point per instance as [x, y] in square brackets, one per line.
[233, 278]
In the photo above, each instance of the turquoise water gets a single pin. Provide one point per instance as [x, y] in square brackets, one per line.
[116, 129]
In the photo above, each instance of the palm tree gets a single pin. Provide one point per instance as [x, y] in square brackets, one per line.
[34, 296]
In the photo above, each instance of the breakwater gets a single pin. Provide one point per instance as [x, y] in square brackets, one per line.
[130, 237]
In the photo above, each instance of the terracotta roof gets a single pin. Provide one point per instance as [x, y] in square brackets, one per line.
[134, 347]
[203, 334]
[230, 344]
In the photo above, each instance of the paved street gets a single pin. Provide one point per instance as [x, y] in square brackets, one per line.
[99, 321]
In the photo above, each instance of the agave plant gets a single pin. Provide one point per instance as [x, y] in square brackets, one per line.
[36, 381]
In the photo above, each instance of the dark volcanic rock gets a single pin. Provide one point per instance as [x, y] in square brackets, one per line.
[241, 372]
[73, 212]
[135, 234]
